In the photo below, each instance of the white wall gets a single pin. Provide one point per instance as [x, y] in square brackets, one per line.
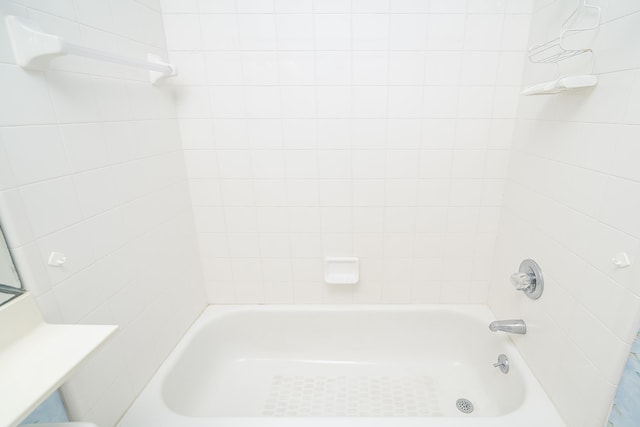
[378, 129]
[572, 202]
[91, 165]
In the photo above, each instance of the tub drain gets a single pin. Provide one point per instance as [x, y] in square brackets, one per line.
[464, 405]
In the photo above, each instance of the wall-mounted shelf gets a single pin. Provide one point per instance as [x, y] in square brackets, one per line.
[555, 51]
[37, 357]
[342, 270]
[33, 49]
[562, 84]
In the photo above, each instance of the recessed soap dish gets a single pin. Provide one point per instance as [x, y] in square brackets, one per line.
[342, 270]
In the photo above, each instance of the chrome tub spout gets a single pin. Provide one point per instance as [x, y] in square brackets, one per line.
[514, 326]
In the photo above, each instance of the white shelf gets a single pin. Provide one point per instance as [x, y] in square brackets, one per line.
[562, 84]
[342, 270]
[37, 357]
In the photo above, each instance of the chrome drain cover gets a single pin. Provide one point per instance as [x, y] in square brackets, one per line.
[464, 405]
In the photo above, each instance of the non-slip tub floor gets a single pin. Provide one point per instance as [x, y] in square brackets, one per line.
[352, 396]
[292, 388]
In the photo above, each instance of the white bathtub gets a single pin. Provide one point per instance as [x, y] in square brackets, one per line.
[341, 366]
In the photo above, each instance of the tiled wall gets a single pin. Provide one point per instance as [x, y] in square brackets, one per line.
[378, 129]
[91, 166]
[572, 202]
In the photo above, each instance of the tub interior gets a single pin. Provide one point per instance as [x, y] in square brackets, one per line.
[341, 364]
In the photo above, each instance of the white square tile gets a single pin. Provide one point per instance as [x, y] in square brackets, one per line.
[484, 32]
[334, 102]
[515, 33]
[332, 68]
[404, 133]
[405, 101]
[447, 6]
[409, 6]
[368, 133]
[299, 133]
[402, 163]
[234, 163]
[370, 31]
[302, 192]
[295, 32]
[273, 219]
[224, 67]
[301, 164]
[220, 33]
[435, 163]
[439, 133]
[96, 191]
[472, 133]
[369, 192]
[20, 143]
[51, 205]
[334, 192]
[408, 32]
[294, 6]
[183, 31]
[400, 192]
[205, 192]
[368, 219]
[332, 32]
[267, 163]
[265, 133]
[304, 219]
[260, 68]
[228, 102]
[255, 6]
[336, 219]
[479, 68]
[334, 164]
[332, 6]
[214, 6]
[296, 68]
[440, 102]
[370, 101]
[368, 163]
[262, 101]
[237, 192]
[298, 102]
[257, 32]
[475, 102]
[400, 220]
[370, 68]
[406, 68]
[446, 32]
[306, 245]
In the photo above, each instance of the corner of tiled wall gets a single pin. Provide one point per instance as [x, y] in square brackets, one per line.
[571, 204]
[91, 165]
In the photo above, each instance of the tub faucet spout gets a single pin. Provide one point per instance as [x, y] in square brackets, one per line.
[514, 326]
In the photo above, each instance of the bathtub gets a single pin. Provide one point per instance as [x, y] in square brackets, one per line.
[400, 366]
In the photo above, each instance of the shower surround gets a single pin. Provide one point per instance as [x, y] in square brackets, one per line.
[377, 129]
[332, 127]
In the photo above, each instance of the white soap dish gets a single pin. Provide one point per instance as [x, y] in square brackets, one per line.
[342, 270]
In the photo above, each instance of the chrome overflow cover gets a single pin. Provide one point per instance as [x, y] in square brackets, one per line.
[503, 363]
[529, 279]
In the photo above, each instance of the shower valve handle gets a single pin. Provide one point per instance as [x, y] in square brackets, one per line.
[523, 281]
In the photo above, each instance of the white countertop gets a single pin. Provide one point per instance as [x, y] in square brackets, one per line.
[37, 357]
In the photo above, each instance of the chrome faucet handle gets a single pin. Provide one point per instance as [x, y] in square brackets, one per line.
[528, 279]
[503, 364]
[522, 281]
